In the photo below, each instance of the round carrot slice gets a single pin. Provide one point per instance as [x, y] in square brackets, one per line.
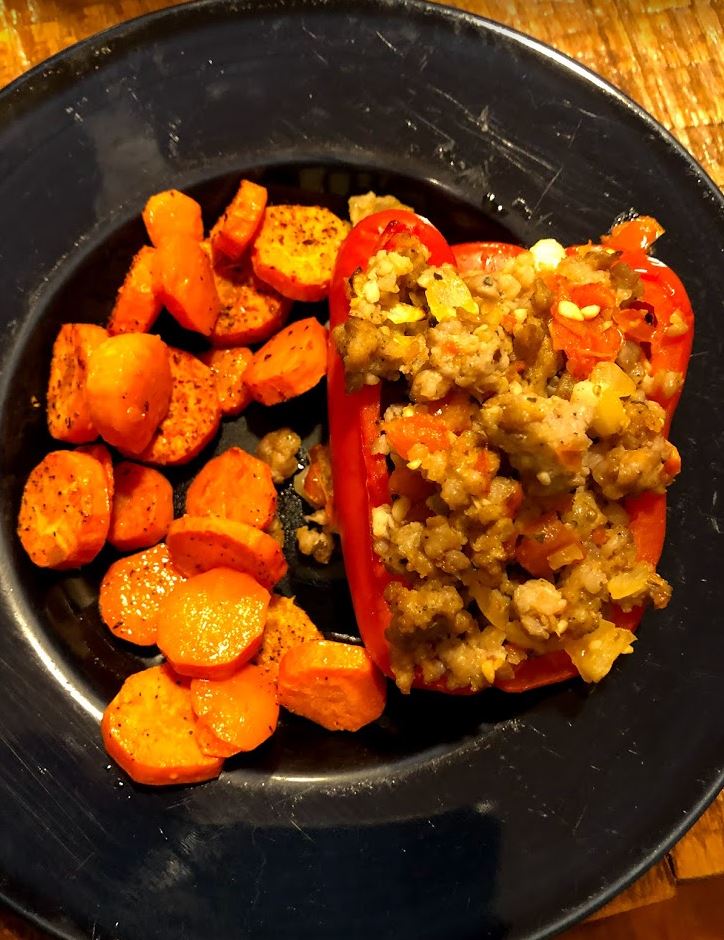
[129, 389]
[335, 685]
[103, 456]
[65, 510]
[289, 364]
[148, 730]
[241, 711]
[171, 213]
[69, 417]
[240, 220]
[137, 304]
[235, 485]
[142, 507]
[198, 543]
[211, 624]
[251, 311]
[229, 367]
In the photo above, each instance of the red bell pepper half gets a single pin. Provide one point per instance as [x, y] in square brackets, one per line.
[361, 480]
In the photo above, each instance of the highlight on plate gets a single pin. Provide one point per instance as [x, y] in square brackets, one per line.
[496, 471]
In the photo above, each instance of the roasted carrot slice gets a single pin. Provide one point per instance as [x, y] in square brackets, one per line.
[69, 417]
[296, 249]
[211, 624]
[129, 389]
[335, 685]
[101, 453]
[65, 510]
[198, 543]
[236, 227]
[142, 507]
[186, 283]
[148, 730]
[172, 213]
[138, 303]
[193, 414]
[287, 625]
[289, 364]
[234, 485]
[132, 590]
[251, 311]
[241, 712]
[229, 367]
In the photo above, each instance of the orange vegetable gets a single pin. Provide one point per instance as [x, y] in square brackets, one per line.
[636, 234]
[251, 311]
[138, 302]
[65, 510]
[287, 625]
[101, 453]
[142, 507]
[172, 213]
[289, 364]
[241, 712]
[186, 283]
[403, 433]
[198, 543]
[69, 417]
[234, 485]
[129, 389]
[148, 730]
[540, 540]
[236, 227]
[229, 367]
[335, 685]
[194, 413]
[211, 624]
[296, 249]
[132, 590]
[317, 485]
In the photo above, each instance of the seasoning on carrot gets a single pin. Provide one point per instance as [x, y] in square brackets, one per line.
[235, 485]
[65, 510]
[251, 311]
[132, 590]
[148, 730]
[241, 218]
[211, 624]
[172, 213]
[142, 507]
[69, 417]
[241, 712]
[287, 625]
[138, 303]
[335, 685]
[194, 413]
[101, 453]
[296, 248]
[229, 367]
[186, 283]
[289, 364]
[129, 388]
[198, 543]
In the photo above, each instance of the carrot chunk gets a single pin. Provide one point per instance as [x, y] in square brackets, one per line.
[129, 389]
[287, 625]
[289, 364]
[229, 367]
[69, 417]
[335, 685]
[211, 624]
[65, 510]
[296, 249]
[186, 283]
[148, 730]
[241, 711]
[132, 590]
[199, 543]
[251, 311]
[101, 453]
[142, 507]
[240, 220]
[138, 303]
[172, 213]
[193, 414]
[235, 485]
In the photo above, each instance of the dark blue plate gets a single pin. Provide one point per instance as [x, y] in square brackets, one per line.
[499, 816]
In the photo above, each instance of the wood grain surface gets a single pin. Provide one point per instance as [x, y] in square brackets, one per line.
[665, 54]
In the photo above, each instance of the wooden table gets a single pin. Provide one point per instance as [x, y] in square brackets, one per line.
[665, 55]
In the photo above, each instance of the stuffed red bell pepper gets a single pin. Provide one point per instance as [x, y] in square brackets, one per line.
[498, 423]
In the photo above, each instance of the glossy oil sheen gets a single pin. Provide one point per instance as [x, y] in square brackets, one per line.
[493, 816]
